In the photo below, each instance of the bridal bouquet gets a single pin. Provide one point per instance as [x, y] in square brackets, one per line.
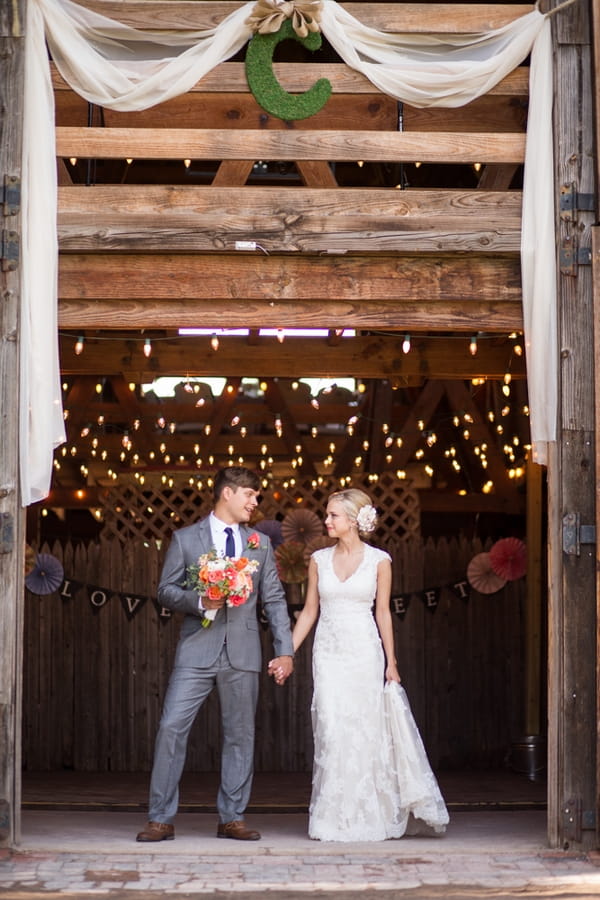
[217, 577]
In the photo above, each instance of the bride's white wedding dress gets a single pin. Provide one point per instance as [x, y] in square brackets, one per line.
[371, 774]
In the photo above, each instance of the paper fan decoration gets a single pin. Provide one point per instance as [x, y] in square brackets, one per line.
[317, 544]
[301, 525]
[290, 562]
[508, 558]
[46, 575]
[482, 577]
[272, 528]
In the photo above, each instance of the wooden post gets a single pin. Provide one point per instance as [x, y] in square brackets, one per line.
[596, 302]
[572, 599]
[12, 30]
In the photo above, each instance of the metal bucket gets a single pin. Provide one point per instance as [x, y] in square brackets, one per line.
[528, 756]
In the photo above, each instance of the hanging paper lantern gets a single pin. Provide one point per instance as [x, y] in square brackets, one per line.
[482, 577]
[508, 558]
[301, 525]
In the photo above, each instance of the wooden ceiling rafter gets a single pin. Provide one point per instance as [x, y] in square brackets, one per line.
[378, 355]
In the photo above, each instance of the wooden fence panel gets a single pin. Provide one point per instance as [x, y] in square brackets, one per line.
[95, 678]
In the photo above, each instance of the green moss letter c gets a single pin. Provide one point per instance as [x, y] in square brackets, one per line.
[264, 85]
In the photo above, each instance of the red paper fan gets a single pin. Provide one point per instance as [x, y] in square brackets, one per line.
[301, 525]
[508, 558]
[482, 577]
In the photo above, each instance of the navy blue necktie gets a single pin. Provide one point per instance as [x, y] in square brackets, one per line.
[229, 543]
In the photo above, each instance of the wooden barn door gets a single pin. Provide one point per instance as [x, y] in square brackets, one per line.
[573, 688]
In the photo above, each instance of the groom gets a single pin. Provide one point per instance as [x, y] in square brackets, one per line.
[226, 654]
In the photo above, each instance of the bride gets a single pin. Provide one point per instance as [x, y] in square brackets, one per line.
[371, 776]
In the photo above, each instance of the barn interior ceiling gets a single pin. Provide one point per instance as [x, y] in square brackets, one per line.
[418, 257]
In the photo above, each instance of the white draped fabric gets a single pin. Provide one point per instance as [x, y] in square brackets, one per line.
[122, 68]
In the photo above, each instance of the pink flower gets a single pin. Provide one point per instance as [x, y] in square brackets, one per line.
[254, 541]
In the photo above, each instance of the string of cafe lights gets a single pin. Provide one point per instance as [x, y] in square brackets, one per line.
[147, 343]
[514, 448]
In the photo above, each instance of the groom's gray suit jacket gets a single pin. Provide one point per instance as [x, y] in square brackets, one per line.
[200, 647]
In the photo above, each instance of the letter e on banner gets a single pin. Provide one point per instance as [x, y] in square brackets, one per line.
[400, 605]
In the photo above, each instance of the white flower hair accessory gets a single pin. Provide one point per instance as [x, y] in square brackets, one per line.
[366, 519]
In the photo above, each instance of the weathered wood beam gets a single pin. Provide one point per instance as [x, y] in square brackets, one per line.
[184, 143]
[227, 280]
[167, 217]
[444, 18]
[296, 78]
[232, 172]
[404, 315]
[362, 111]
[452, 293]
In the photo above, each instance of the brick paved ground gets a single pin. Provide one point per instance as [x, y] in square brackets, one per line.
[484, 854]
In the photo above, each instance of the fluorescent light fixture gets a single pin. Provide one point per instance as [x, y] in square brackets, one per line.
[263, 332]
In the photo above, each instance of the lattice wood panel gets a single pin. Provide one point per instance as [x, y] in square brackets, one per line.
[154, 512]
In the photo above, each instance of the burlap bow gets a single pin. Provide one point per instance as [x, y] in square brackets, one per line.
[269, 15]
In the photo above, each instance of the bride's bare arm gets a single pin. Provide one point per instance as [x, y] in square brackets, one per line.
[383, 617]
[310, 610]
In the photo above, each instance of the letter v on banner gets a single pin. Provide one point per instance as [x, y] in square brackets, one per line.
[132, 603]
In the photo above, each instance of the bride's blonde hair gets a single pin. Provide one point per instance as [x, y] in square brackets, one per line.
[353, 501]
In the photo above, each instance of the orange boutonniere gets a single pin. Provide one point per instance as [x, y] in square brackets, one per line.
[253, 541]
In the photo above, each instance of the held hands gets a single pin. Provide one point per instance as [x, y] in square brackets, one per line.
[281, 668]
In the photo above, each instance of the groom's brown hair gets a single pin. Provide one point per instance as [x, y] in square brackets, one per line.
[235, 477]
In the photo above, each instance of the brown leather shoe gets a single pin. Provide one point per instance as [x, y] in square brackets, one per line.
[157, 831]
[238, 831]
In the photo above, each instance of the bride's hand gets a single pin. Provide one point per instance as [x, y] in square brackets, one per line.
[391, 673]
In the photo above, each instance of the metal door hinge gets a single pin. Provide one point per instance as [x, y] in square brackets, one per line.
[571, 202]
[571, 256]
[575, 534]
[7, 533]
[576, 819]
[9, 250]
[11, 195]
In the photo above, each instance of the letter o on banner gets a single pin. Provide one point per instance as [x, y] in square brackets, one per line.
[98, 598]
[264, 85]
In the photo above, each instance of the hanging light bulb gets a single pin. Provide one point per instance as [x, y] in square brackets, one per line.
[473, 346]
[147, 348]
[280, 335]
[79, 345]
[214, 342]
[406, 344]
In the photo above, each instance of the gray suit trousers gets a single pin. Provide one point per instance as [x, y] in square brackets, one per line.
[188, 689]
